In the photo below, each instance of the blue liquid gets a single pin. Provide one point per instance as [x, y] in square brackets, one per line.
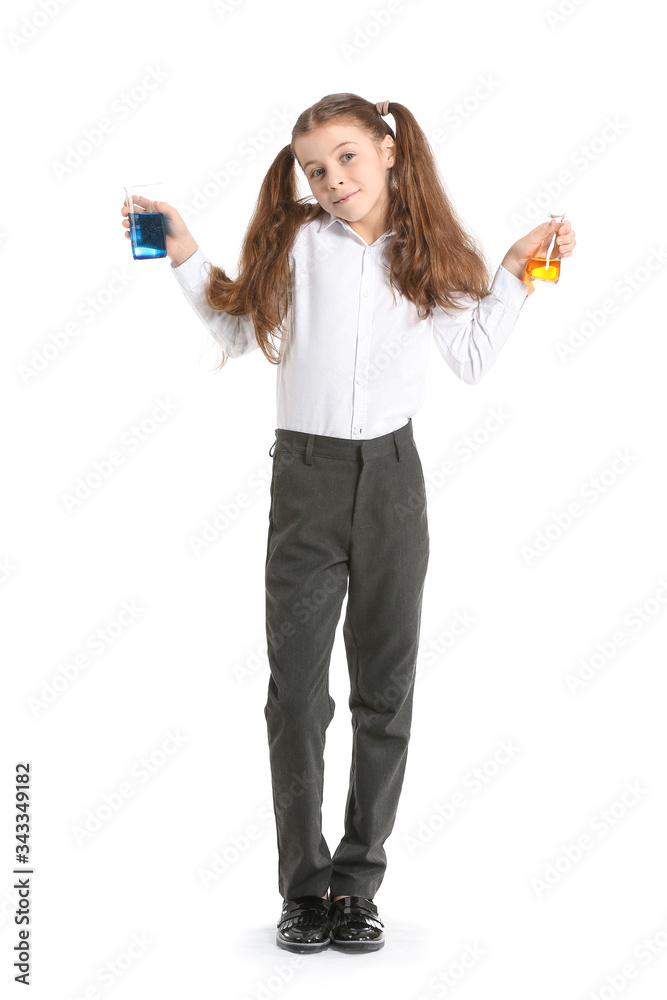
[147, 235]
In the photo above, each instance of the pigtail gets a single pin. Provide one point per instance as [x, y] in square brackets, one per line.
[262, 287]
[433, 257]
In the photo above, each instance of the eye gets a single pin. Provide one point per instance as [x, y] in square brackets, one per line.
[313, 172]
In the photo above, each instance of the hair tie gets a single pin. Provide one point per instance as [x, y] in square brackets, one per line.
[382, 107]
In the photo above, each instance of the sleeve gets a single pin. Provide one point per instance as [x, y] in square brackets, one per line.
[235, 333]
[470, 339]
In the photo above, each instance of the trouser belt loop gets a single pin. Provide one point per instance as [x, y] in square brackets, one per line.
[309, 449]
[397, 446]
[273, 448]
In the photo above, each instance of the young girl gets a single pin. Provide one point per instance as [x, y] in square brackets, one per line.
[352, 286]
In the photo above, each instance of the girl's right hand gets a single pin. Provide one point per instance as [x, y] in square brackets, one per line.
[181, 244]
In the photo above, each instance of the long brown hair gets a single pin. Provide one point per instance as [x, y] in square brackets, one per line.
[431, 257]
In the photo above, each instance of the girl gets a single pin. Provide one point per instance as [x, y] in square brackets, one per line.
[351, 286]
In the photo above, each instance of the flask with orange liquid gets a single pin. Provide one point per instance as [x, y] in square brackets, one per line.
[544, 265]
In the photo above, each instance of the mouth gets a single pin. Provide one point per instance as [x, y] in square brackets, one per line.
[341, 201]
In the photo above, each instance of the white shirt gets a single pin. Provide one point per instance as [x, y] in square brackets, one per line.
[354, 365]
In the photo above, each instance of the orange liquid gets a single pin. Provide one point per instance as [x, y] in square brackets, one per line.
[536, 269]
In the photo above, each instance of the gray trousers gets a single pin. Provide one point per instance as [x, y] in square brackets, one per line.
[344, 515]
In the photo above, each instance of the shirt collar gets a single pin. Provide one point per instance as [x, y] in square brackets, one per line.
[329, 218]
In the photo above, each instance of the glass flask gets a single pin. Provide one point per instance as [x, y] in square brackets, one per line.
[147, 226]
[544, 265]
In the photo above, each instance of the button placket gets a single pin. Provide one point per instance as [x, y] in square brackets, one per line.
[361, 363]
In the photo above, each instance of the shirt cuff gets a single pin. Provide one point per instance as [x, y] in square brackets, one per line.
[512, 291]
[192, 273]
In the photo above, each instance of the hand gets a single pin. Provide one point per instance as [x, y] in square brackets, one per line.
[519, 253]
[181, 244]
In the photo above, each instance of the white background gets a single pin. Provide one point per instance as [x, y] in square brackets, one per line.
[472, 885]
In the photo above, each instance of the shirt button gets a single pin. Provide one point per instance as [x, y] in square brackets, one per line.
[365, 294]
[360, 381]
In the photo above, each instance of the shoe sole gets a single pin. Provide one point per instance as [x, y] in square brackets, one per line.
[302, 948]
[359, 945]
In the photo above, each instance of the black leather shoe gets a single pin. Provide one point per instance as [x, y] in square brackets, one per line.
[356, 924]
[305, 924]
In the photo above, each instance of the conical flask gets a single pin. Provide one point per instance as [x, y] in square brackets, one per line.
[544, 265]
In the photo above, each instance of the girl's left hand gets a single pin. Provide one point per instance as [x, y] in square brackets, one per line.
[520, 252]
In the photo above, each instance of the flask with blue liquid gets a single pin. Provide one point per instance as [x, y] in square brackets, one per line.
[148, 234]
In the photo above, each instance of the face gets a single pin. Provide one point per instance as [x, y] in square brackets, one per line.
[341, 160]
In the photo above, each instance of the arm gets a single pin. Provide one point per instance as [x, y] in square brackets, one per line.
[235, 333]
[470, 339]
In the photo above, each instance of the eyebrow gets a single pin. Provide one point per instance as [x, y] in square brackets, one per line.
[346, 143]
